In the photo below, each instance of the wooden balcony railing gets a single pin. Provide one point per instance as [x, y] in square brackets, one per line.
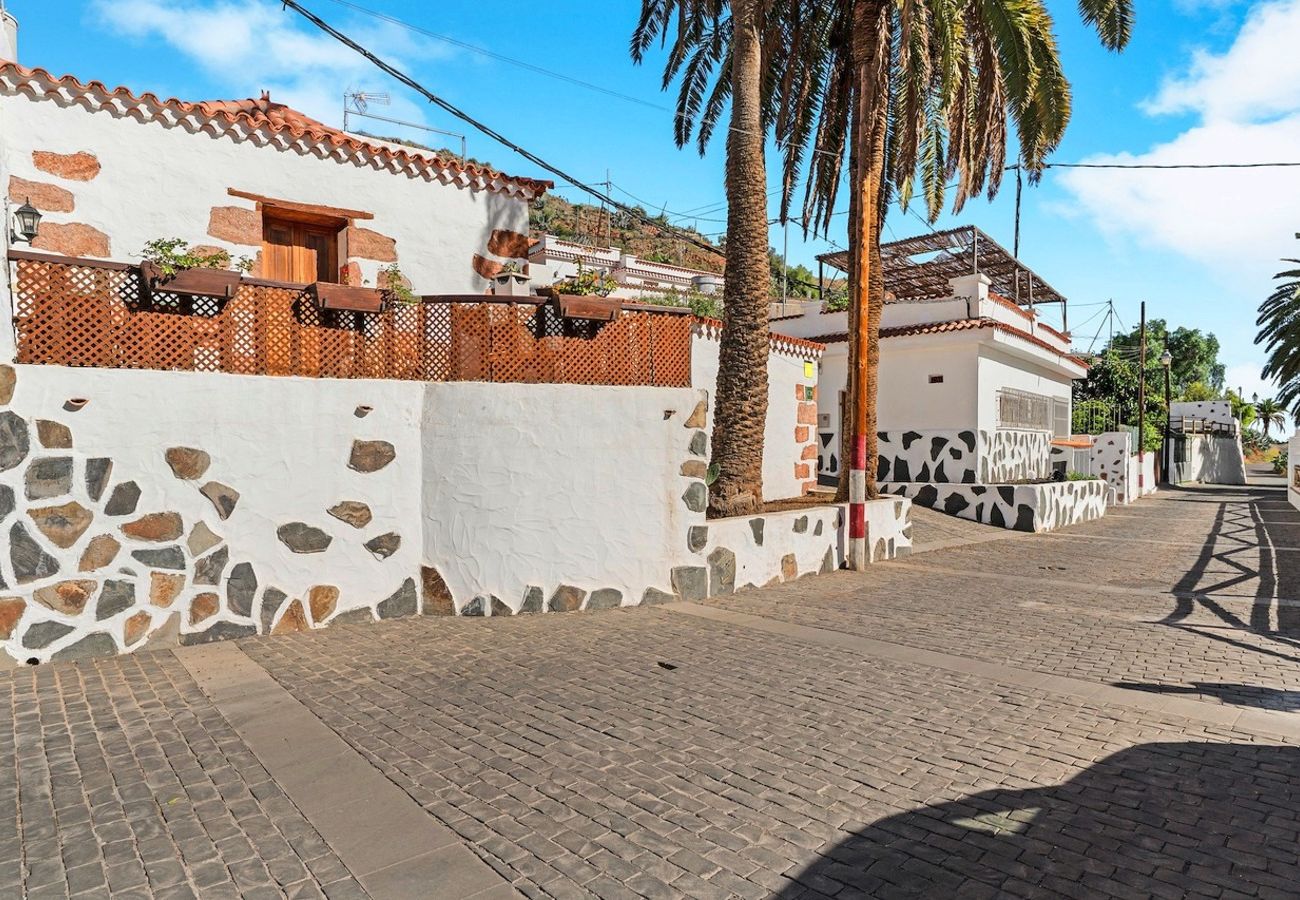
[81, 312]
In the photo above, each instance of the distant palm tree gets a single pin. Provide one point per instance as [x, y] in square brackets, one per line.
[1279, 331]
[1270, 414]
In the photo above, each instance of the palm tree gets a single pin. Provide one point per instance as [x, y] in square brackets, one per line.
[1270, 414]
[729, 35]
[1279, 330]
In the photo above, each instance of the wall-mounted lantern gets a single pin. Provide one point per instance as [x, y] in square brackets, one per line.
[27, 220]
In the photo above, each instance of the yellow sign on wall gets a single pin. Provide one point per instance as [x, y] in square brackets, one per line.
[809, 369]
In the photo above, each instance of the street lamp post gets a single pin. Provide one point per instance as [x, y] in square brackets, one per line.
[1166, 360]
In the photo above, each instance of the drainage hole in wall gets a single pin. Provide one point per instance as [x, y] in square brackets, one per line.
[665, 665]
[33, 661]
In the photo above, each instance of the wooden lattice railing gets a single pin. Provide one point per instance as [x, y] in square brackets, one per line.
[79, 312]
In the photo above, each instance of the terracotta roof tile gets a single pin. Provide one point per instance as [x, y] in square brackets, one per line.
[259, 120]
[951, 326]
[781, 343]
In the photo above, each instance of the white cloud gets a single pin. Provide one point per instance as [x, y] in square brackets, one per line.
[1234, 222]
[248, 46]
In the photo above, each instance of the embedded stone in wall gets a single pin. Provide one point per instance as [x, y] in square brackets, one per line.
[79, 166]
[220, 631]
[475, 607]
[534, 600]
[817, 529]
[208, 569]
[722, 572]
[566, 598]
[354, 617]
[384, 546]
[828, 562]
[294, 619]
[695, 468]
[696, 496]
[437, 596]
[115, 596]
[655, 597]
[163, 558]
[97, 472]
[164, 588]
[236, 225]
[30, 562]
[789, 567]
[605, 598]
[690, 582]
[508, 244]
[809, 452]
[72, 239]
[401, 603]
[486, 268]
[8, 381]
[201, 539]
[498, 607]
[697, 536]
[801, 433]
[187, 463]
[371, 456]
[136, 627]
[11, 610]
[322, 600]
[53, 435]
[806, 414]
[123, 500]
[241, 589]
[67, 597]
[6, 501]
[222, 496]
[354, 512]
[756, 527]
[63, 524]
[42, 634]
[272, 600]
[363, 243]
[699, 416]
[156, 527]
[303, 538]
[48, 477]
[699, 445]
[89, 647]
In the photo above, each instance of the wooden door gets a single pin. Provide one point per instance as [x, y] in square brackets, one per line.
[299, 252]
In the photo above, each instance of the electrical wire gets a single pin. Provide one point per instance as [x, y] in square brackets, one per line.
[489, 131]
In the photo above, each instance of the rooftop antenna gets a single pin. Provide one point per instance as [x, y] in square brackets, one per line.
[357, 103]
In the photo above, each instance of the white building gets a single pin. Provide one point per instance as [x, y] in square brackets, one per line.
[552, 259]
[973, 387]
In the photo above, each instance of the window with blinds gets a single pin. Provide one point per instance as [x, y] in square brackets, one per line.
[1024, 410]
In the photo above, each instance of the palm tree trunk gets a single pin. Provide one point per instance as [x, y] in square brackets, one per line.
[740, 409]
[866, 286]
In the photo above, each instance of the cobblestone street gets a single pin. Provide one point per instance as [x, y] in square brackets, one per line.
[1105, 711]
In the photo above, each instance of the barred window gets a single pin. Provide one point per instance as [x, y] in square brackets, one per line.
[1060, 417]
[1021, 409]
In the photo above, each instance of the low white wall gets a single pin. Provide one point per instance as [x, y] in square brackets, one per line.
[1293, 470]
[1022, 507]
[790, 429]
[1209, 459]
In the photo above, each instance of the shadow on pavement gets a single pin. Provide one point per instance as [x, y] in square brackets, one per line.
[1235, 694]
[1159, 819]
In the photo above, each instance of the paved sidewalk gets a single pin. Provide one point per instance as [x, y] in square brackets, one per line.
[1103, 712]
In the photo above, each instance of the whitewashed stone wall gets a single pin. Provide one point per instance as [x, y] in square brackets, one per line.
[1292, 472]
[1022, 507]
[1217, 412]
[146, 508]
[964, 456]
[1110, 461]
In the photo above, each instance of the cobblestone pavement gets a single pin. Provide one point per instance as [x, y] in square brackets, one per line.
[649, 753]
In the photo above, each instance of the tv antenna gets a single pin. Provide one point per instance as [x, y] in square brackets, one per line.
[357, 103]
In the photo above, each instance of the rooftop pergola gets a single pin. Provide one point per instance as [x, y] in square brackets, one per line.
[920, 267]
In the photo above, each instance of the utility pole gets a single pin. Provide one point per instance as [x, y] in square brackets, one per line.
[1142, 398]
[785, 267]
[609, 215]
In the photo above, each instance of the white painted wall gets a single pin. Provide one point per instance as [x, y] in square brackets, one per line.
[1293, 465]
[170, 180]
[781, 452]
[554, 484]
[1000, 369]
[1212, 459]
[1217, 412]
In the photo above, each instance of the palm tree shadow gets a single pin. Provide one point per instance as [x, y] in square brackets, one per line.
[1153, 820]
[1226, 692]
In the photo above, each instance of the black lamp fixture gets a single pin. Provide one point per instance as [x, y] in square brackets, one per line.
[28, 220]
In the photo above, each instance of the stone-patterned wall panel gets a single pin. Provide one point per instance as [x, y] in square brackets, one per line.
[1021, 507]
[1109, 461]
[939, 457]
[1008, 456]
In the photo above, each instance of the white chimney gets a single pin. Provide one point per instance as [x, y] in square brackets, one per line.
[8, 34]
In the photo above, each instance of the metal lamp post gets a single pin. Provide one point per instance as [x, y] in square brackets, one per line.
[1166, 360]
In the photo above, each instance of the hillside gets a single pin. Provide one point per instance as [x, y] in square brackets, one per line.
[579, 221]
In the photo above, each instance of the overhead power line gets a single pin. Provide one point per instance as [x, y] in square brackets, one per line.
[1252, 165]
[491, 132]
[500, 57]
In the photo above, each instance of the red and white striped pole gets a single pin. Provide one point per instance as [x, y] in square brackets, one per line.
[858, 559]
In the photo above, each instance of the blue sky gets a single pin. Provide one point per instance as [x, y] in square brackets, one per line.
[1203, 81]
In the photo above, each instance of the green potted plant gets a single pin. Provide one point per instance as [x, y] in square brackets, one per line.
[169, 265]
[586, 295]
